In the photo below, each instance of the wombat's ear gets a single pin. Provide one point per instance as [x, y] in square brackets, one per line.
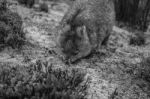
[84, 29]
[79, 31]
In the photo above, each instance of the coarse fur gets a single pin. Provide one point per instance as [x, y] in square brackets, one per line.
[97, 16]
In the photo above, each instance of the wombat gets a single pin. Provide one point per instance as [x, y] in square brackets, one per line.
[95, 17]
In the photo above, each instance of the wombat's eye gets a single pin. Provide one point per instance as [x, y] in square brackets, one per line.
[60, 32]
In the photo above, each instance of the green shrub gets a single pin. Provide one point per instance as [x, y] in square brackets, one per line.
[11, 29]
[44, 7]
[33, 83]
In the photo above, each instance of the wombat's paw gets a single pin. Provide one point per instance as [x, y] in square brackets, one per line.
[68, 61]
[65, 59]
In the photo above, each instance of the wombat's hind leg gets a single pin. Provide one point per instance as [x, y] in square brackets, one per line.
[105, 41]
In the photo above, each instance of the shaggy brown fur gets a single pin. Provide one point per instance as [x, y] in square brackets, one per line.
[98, 18]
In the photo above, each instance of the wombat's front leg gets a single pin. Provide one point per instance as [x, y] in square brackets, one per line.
[84, 45]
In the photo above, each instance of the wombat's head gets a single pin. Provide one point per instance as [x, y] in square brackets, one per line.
[63, 34]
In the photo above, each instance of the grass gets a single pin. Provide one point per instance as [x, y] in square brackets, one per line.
[40, 81]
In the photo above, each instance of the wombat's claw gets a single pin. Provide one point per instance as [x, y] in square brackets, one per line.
[72, 60]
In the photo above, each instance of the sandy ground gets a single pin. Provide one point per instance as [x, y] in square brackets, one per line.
[111, 71]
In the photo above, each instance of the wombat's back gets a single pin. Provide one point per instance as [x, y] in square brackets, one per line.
[98, 16]
[94, 12]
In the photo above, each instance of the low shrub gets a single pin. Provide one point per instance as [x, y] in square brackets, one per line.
[33, 82]
[11, 29]
[44, 7]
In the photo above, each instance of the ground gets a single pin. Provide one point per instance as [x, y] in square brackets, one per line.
[111, 71]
